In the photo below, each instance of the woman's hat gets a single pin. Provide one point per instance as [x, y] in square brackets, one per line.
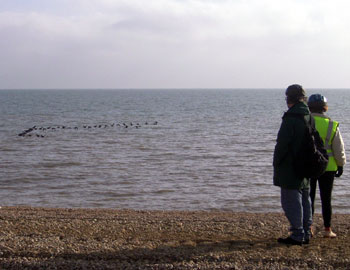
[317, 99]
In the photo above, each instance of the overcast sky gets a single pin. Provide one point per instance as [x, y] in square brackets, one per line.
[174, 43]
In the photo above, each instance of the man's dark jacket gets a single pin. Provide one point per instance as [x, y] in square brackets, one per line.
[289, 141]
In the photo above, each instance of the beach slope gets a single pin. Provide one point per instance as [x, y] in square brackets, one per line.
[48, 238]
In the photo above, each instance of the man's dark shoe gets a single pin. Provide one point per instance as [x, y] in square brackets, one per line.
[289, 241]
[306, 241]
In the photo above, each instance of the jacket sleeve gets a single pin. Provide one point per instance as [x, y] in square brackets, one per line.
[284, 138]
[338, 148]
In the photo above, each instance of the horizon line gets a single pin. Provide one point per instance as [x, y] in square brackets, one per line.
[177, 88]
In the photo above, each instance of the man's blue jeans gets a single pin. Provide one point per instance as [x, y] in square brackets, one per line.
[296, 205]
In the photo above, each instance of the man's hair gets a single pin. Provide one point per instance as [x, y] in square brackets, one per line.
[295, 93]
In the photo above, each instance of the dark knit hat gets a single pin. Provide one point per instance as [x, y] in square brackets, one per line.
[317, 103]
[295, 91]
[317, 99]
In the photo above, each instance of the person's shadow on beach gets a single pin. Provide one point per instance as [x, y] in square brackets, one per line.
[165, 254]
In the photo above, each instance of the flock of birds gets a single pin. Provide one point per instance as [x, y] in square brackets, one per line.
[33, 131]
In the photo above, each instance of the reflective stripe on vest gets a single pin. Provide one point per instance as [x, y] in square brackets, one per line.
[327, 128]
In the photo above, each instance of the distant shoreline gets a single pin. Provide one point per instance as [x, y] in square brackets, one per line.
[65, 238]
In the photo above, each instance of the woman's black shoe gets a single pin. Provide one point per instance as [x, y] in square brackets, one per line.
[289, 241]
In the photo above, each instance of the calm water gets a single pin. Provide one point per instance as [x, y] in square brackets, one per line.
[181, 149]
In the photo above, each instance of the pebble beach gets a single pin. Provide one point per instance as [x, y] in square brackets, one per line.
[54, 238]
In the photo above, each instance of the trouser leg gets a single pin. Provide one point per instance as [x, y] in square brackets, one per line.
[307, 213]
[313, 184]
[291, 200]
[326, 186]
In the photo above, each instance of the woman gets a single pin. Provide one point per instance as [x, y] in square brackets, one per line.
[329, 132]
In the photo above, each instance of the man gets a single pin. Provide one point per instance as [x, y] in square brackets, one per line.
[330, 133]
[295, 191]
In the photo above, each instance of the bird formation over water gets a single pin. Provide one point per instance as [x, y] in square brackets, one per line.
[36, 131]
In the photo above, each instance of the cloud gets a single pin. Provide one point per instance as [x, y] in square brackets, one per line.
[172, 43]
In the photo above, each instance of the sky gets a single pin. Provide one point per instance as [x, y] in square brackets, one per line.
[174, 43]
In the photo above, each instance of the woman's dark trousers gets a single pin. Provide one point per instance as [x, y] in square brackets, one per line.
[325, 183]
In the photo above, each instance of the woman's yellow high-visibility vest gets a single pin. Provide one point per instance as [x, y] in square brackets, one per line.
[327, 128]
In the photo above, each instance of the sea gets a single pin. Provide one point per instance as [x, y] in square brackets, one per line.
[150, 149]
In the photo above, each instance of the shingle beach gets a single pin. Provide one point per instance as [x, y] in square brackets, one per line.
[54, 238]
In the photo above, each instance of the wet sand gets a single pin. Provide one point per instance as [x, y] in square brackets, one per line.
[47, 238]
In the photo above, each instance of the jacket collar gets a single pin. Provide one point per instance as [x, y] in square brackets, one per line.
[322, 115]
[299, 107]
